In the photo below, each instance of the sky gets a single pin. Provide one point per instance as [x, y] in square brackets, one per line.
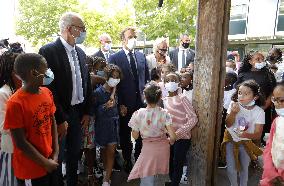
[7, 15]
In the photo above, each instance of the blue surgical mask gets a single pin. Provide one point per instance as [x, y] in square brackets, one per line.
[80, 39]
[259, 65]
[101, 73]
[107, 46]
[48, 77]
[280, 112]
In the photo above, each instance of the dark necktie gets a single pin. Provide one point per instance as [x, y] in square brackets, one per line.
[133, 67]
[183, 59]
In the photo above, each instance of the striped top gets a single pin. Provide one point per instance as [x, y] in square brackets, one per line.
[183, 115]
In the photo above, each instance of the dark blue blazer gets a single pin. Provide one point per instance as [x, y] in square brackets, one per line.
[62, 86]
[126, 89]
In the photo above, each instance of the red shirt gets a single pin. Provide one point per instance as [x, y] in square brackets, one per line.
[33, 113]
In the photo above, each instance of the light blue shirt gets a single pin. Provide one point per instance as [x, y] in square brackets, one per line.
[77, 91]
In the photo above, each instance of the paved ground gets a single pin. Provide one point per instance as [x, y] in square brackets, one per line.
[120, 178]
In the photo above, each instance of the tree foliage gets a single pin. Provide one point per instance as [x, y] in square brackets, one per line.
[38, 19]
[172, 19]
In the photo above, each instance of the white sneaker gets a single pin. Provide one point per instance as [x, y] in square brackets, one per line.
[98, 173]
[63, 169]
[184, 179]
[106, 183]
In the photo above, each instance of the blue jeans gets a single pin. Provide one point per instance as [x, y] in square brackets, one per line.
[231, 169]
[147, 181]
[177, 160]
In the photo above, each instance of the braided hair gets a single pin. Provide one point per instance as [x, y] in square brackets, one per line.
[7, 60]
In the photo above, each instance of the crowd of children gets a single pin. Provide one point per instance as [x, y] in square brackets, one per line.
[252, 99]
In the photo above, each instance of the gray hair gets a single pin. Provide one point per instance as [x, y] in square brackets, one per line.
[66, 20]
[104, 35]
[158, 41]
[182, 36]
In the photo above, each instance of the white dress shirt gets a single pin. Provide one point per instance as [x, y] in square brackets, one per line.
[128, 57]
[77, 92]
[180, 51]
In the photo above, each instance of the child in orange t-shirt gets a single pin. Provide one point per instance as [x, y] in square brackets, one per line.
[30, 118]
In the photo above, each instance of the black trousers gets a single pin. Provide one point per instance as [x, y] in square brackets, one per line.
[125, 139]
[177, 160]
[70, 148]
[47, 180]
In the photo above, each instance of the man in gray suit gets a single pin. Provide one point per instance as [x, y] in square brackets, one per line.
[182, 56]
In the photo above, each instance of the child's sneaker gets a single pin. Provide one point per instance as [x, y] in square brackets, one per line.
[184, 179]
[98, 173]
[63, 169]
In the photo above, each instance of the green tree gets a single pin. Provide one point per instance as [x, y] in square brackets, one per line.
[172, 19]
[38, 19]
[107, 20]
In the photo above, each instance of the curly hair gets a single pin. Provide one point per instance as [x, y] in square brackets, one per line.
[246, 66]
[152, 92]
[278, 51]
[7, 60]
[92, 61]
[169, 66]
[255, 88]
[110, 68]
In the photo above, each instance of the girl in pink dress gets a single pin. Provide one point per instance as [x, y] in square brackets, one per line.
[153, 123]
[273, 155]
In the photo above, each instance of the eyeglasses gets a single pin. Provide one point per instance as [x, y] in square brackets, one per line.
[163, 50]
[83, 28]
[278, 100]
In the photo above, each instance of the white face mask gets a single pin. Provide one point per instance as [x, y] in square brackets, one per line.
[249, 104]
[280, 112]
[229, 69]
[259, 65]
[171, 86]
[107, 46]
[131, 44]
[113, 82]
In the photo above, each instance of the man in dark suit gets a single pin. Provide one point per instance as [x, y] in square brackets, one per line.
[105, 50]
[182, 56]
[71, 89]
[130, 90]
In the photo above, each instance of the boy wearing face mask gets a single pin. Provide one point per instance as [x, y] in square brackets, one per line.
[184, 119]
[273, 156]
[33, 127]
[106, 125]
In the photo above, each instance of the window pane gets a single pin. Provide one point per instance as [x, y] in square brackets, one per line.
[237, 27]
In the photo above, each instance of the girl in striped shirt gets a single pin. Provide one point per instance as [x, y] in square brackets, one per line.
[183, 119]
